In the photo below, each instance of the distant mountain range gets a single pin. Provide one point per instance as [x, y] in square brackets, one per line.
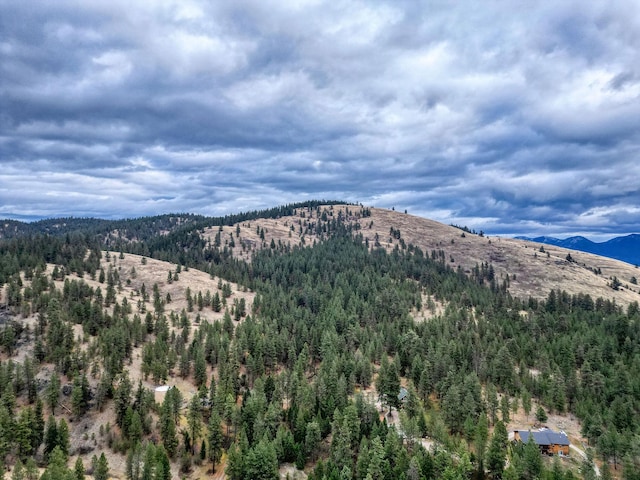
[626, 248]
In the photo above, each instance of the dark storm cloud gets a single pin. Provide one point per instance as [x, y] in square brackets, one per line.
[506, 118]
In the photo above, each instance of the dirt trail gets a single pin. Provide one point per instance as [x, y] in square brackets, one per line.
[584, 455]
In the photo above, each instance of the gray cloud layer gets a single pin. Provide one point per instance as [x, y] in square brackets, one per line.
[504, 116]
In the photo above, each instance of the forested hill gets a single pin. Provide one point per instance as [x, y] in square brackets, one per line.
[286, 344]
[140, 229]
[524, 269]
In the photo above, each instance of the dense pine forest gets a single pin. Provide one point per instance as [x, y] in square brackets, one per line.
[351, 360]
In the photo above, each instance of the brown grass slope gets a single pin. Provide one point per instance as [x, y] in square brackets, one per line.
[133, 272]
[531, 272]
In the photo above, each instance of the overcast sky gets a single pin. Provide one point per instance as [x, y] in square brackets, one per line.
[511, 117]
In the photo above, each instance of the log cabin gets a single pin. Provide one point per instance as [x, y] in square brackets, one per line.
[548, 441]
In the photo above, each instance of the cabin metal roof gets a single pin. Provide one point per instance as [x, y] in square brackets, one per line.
[545, 437]
[403, 394]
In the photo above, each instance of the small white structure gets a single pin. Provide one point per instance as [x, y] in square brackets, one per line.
[160, 392]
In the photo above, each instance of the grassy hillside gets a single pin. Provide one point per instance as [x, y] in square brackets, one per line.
[288, 338]
[528, 271]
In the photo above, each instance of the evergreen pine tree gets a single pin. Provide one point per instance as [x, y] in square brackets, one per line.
[168, 425]
[532, 461]
[215, 439]
[63, 437]
[50, 436]
[79, 469]
[194, 421]
[102, 468]
[39, 425]
[53, 393]
[235, 463]
[133, 466]
[57, 467]
[541, 415]
[497, 450]
[149, 464]
[31, 470]
[18, 471]
[163, 466]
